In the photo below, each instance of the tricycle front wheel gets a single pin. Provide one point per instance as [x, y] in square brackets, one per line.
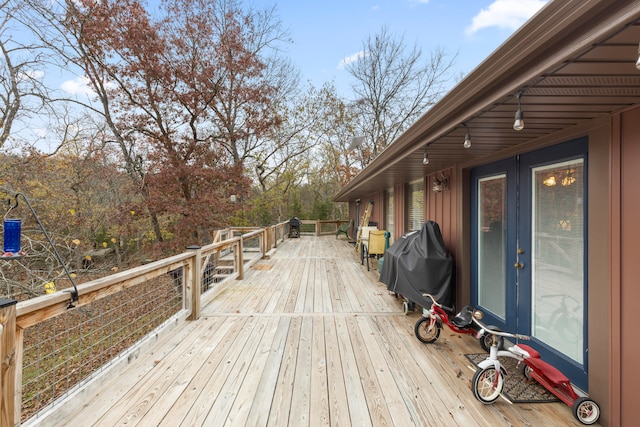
[487, 384]
[425, 331]
[586, 410]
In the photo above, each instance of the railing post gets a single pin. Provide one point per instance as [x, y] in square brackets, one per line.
[194, 282]
[268, 241]
[8, 363]
[264, 242]
[240, 259]
[273, 230]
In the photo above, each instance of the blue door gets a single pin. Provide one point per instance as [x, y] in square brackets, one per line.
[528, 237]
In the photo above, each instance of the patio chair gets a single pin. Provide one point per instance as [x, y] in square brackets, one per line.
[364, 242]
[344, 229]
[377, 242]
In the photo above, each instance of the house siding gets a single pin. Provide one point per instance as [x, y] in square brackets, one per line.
[441, 206]
[627, 298]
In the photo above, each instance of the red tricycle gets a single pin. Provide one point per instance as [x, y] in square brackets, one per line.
[488, 381]
[427, 328]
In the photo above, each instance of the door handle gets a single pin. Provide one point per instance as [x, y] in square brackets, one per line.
[519, 265]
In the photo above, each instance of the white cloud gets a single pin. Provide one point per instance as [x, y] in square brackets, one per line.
[78, 86]
[41, 132]
[508, 14]
[351, 59]
[32, 75]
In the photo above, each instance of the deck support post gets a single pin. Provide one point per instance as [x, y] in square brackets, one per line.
[274, 235]
[265, 241]
[194, 282]
[240, 259]
[8, 358]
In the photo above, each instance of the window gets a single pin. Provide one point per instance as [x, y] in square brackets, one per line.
[415, 205]
[388, 208]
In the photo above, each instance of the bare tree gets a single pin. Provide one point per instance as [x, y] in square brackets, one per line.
[394, 86]
[257, 79]
[283, 154]
[22, 92]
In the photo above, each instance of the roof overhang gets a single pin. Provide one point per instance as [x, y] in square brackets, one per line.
[574, 62]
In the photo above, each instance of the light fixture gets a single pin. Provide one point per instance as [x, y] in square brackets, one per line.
[425, 157]
[518, 124]
[467, 137]
[638, 61]
[440, 183]
[550, 182]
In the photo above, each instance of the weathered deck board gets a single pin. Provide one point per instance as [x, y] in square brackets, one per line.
[308, 338]
[338, 404]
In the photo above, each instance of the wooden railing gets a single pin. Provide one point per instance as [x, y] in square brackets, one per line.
[149, 298]
[320, 227]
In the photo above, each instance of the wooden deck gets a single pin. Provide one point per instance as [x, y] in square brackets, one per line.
[308, 338]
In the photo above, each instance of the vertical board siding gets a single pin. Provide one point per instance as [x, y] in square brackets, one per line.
[629, 248]
[441, 207]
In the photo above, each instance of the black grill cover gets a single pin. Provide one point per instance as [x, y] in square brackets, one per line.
[417, 263]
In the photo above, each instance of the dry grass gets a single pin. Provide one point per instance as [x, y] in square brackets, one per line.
[61, 352]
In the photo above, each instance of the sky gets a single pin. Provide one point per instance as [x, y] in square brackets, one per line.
[328, 33]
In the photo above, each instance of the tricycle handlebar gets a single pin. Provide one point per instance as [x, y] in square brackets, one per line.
[500, 333]
[433, 300]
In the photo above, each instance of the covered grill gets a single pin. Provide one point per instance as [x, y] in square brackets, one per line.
[294, 227]
[417, 263]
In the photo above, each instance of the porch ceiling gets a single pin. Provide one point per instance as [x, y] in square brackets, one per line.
[574, 61]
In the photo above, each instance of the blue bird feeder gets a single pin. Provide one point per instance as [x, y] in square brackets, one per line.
[12, 231]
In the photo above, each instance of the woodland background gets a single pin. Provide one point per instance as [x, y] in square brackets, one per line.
[189, 103]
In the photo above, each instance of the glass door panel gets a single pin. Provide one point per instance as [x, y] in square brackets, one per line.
[491, 240]
[493, 226]
[557, 262]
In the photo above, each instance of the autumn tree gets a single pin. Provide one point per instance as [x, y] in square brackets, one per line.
[394, 85]
[80, 197]
[183, 96]
[222, 82]
[256, 78]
